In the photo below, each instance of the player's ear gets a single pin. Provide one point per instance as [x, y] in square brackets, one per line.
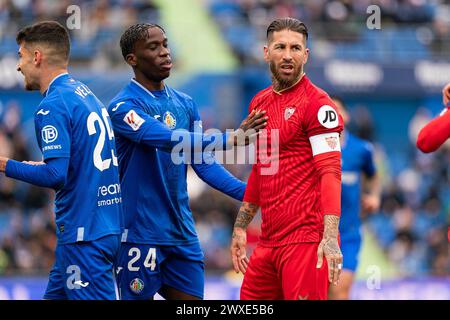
[37, 57]
[131, 59]
[305, 58]
[266, 53]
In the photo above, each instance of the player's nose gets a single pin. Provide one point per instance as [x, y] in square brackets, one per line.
[287, 56]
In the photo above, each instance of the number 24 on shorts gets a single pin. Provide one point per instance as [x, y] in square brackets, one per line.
[149, 262]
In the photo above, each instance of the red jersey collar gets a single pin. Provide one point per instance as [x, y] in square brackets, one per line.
[294, 86]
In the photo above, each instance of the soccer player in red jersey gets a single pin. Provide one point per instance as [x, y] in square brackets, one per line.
[437, 131]
[300, 200]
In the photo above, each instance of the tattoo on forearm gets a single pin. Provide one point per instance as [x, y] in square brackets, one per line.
[331, 226]
[245, 215]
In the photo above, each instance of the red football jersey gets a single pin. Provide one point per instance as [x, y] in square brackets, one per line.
[435, 133]
[284, 182]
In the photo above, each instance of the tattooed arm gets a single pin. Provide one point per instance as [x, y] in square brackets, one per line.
[329, 247]
[239, 238]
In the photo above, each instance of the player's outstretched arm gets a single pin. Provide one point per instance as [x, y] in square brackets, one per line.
[239, 238]
[435, 133]
[248, 128]
[216, 176]
[49, 174]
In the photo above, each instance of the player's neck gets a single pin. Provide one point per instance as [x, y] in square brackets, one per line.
[48, 77]
[149, 84]
[279, 87]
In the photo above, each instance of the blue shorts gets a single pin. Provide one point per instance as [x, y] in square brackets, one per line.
[143, 269]
[84, 270]
[350, 251]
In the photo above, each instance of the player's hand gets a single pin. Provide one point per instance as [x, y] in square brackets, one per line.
[330, 248]
[446, 94]
[237, 249]
[248, 130]
[370, 203]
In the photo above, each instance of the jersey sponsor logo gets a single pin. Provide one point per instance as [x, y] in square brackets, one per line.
[328, 117]
[133, 120]
[137, 285]
[43, 112]
[49, 134]
[109, 195]
[117, 106]
[288, 112]
[170, 120]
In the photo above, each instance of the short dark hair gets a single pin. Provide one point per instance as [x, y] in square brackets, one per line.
[287, 24]
[133, 34]
[50, 33]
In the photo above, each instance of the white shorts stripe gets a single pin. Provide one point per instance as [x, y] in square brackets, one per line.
[124, 235]
[80, 234]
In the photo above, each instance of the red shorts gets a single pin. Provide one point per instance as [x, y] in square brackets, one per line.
[285, 273]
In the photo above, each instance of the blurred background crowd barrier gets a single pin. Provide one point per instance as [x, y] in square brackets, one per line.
[390, 76]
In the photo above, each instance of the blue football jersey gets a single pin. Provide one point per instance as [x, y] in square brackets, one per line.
[71, 122]
[154, 188]
[357, 157]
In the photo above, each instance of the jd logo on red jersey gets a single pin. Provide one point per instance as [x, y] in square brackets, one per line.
[327, 116]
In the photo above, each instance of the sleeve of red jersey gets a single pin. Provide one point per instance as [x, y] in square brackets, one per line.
[252, 190]
[323, 125]
[435, 133]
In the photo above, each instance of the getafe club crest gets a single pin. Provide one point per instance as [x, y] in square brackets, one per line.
[137, 285]
[288, 112]
[169, 120]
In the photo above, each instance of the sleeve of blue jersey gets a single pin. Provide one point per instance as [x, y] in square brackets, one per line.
[216, 176]
[130, 121]
[52, 174]
[53, 129]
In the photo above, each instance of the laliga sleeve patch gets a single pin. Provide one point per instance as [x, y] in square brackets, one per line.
[133, 120]
[328, 117]
[325, 142]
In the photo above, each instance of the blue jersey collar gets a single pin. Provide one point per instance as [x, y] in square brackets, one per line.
[55, 81]
[133, 81]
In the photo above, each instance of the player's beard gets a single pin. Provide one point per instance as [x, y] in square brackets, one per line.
[280, 82]
[30, 85]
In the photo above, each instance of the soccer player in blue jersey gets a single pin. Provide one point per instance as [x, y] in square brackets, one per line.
[75, 136]
[360, 190]
[160, 249]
